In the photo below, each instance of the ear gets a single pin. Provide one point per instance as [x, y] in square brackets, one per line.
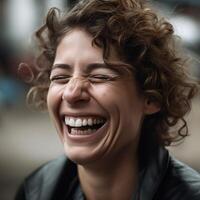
[151, 107]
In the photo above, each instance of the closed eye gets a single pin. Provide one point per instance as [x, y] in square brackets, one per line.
[101, 78]
[60, 78]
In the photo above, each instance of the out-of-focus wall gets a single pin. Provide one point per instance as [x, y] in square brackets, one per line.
[185, 17]
[27, 138]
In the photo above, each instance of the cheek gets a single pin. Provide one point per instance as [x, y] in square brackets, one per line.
[105, 98]
[105, 93]
[53, 99]
[50, 99]
[122, 102]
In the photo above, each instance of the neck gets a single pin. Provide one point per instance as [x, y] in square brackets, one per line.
[114, 178]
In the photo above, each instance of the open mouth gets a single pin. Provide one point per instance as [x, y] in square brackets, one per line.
[83, 126]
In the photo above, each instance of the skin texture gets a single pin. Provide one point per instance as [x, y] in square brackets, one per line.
[81, 85]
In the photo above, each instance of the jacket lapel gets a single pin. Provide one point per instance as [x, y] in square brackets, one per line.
[153, 164]
[43, 184]
[153, 174]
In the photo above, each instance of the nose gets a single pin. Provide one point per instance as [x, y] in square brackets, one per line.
[76, 90]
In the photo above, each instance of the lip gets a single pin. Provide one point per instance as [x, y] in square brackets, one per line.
[82, 115]
[80, 139]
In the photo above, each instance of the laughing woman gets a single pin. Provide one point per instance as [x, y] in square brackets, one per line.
[115, 86]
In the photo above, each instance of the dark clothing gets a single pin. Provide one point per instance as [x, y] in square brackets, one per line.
[162, 178]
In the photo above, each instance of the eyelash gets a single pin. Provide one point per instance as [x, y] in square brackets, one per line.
[100, 77]
[60, 78]
[96, 78]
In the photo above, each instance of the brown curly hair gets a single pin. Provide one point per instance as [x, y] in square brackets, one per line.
[143, 40]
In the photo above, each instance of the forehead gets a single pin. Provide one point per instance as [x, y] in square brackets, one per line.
[78, 35]
[76, 48]
[78, 40]
[77, 45]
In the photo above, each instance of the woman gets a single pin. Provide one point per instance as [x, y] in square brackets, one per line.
[115, 85]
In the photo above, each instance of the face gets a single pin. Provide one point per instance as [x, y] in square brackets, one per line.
[96, 109]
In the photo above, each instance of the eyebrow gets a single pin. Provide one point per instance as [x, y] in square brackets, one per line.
[118, 67]
[94, 66]
[62, 66]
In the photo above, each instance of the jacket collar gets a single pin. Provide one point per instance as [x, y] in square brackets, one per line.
[153, 164]
[152, 175]
[52, 179]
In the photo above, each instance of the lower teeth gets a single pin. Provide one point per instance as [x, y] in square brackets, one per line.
[75, 131]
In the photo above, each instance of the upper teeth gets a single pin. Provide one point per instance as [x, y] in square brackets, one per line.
[78, 122]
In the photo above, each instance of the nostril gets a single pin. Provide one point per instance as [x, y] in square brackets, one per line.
[76, 91]
[76, 97]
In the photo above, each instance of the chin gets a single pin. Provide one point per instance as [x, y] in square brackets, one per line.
[81, 155]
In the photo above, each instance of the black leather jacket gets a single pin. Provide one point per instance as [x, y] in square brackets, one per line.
[162, 178]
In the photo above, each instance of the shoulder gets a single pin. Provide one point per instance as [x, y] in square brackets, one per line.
[45, 171]
[181, 182]
[43, 182]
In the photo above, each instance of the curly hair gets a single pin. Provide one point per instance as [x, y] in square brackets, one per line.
[142, 40]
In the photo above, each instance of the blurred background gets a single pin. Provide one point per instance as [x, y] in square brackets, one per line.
[27, 138]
